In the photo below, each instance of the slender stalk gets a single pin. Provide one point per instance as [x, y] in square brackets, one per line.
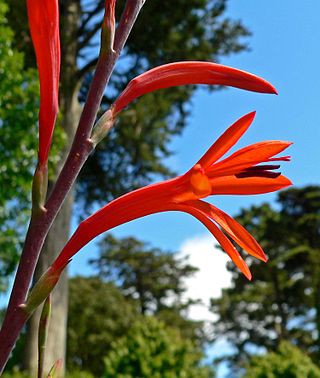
[40, 223]
[43, 334]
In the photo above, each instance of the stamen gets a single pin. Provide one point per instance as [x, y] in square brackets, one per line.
[281, 158]
[262, 168]
[262, 173]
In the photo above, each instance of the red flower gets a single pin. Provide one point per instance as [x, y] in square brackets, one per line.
[43, 18]
[240, 173]
[181, 73]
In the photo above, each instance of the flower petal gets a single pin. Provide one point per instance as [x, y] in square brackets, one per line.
[248, 156]
[227, 140]
[234, 229]
[248, 185]
[43, 16]
[181, 73]
[222, 239]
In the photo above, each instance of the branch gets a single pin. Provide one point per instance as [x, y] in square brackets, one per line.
[39, 226]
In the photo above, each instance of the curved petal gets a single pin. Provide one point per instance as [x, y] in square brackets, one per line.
[43, 17]
[248, 185]
[222, 239]
[181, 73]
[234, 229]
[248, 156]
[227, 140]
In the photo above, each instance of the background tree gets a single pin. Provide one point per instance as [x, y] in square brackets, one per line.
[152, 350]
[153, 278]
[282, 303]
[286, 362]
[132, 154]
[101, 311]
[98, 314]
[18, 99]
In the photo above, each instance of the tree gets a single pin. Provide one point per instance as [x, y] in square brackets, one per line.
[149, 275]
[286, 362]
[282, 303]
[152, 350]
[98, 315]
[152, 277]
[132, 154]
[18, 99]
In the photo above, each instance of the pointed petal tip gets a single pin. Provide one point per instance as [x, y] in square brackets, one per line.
[271, 89]
[247, 274]
[264, 258]
[286, 182]
[268, 87]
[250, 116]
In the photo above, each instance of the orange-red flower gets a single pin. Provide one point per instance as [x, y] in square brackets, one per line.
[240, 173]
[181, 73]
[43, 16]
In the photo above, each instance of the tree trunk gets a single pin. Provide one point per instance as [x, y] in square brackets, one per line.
[59, 233]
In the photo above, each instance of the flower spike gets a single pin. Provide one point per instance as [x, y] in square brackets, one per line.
[185, 193]
[181, 73]
[43, 16]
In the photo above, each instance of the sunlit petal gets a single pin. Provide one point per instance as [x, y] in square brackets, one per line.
[181, 73]
[234, 229]
[227, 140]
[248, 185]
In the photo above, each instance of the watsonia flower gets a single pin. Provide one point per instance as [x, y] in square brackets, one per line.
[189, 72]
[43, 17]
[240, 173]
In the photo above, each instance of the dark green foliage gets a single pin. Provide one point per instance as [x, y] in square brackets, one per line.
[98, 314]
[286, 362]
[282, 301]
[148, 280]
[152, 277]
[147, 274]
[150, 349]
[18, 147]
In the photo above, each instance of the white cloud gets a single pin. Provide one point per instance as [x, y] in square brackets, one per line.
[211, 277]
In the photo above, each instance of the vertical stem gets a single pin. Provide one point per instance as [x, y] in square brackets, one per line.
[40, 224]
[43, 333]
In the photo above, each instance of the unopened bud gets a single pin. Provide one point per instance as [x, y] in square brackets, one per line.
[102, 127]
[42, 289]
[108, 27]
[39, 188]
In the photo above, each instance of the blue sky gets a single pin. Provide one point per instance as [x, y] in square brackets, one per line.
[284, 50]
